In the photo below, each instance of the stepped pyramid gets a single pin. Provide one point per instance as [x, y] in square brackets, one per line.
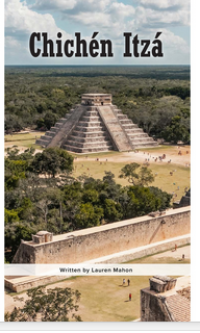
[96, 125]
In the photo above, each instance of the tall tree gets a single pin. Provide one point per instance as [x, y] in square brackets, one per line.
[141, 178]
[52, 161]
[59, 304]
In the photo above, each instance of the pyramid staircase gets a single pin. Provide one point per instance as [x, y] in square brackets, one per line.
[96, 125]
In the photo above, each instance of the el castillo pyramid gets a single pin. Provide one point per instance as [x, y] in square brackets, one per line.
[96, 125]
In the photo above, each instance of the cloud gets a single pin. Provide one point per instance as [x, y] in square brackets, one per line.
[53, 5]
[147, 17]
[21, 21]
[74, 6]
[11, 43]
[165, 4]
[174, 43]
[110, 17]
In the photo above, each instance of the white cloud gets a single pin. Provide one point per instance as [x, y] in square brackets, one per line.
[174, 43]
[149, 17]
[11, 43]
[20, 20]
[52, 5]
[110, 17]
[74, 5]
[165, 4]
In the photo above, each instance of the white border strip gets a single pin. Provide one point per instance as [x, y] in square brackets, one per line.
[95, 269]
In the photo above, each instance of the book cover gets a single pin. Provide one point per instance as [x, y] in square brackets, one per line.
[97, 161]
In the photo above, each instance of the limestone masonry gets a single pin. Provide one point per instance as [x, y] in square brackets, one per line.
[96, 125]
[166, 299]
[87, 244]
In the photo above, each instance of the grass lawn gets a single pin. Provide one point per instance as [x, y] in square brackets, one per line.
[163, 180]
[25, 140]
[103, 298]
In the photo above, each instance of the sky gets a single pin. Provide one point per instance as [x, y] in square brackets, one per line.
[111, 18]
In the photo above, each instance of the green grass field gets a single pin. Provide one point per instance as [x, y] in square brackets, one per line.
[163, 180]
[103, 298]
[23, 140]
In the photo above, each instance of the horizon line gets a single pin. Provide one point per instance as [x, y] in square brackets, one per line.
[34, 65]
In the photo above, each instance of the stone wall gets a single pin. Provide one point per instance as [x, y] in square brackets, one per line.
[83, 245]
[172, 304]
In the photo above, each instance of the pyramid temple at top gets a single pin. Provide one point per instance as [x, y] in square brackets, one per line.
[96, 125]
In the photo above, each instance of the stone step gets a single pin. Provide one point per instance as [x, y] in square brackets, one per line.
[122, 117]
[90, 124]
[126, 122]
[58, 126]
[91, 108]
[49, 133]
[41, 142]
[137, 134]
[130, 126]
[45, 138]
[89, 129]
[88, 139]
[87, 144]
[90, 118]
[54, 129]
[90, 134]
[134, 130]
[143, 140]
[86, 150]
[145, 145]
[91, 113]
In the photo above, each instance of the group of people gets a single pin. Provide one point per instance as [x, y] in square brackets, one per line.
[128, 282]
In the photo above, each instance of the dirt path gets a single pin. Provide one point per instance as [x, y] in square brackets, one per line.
[175, 254]
[144, 156]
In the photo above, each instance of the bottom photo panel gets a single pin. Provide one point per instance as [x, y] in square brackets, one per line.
[97, 298]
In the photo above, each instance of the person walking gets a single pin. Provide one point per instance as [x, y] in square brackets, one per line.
[124, 281]
[128, 282]
[130, 297]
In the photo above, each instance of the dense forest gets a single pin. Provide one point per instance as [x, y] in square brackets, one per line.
[41, 194]
[155, 98]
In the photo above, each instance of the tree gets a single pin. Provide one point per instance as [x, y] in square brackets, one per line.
[129, 172]
[142, 178]
[145, 176]
[112, 211]
[14, 233]
[50, 197]
[142, 201]
[52, 161]
[57, 304]
[176, 131]
[88, 216]
[49, 119]
[164, 197]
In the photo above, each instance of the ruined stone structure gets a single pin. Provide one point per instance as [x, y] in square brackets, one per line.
[96, 125]
[185, 201]
[87, 244]
[166, 299]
